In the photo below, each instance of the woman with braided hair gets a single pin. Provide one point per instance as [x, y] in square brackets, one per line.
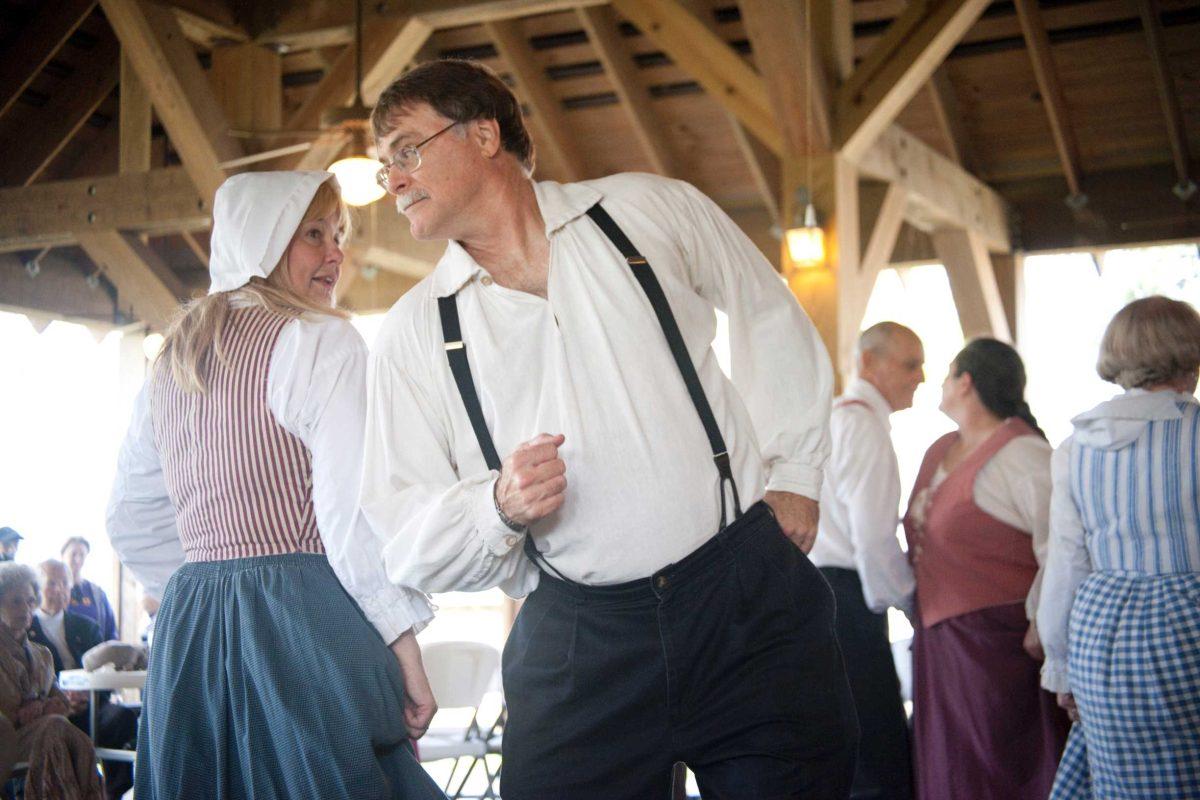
[977, 527]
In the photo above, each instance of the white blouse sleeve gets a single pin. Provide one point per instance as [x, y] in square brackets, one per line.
[140, 517]
[317, 390]
[1067, 565]
[1014, 487]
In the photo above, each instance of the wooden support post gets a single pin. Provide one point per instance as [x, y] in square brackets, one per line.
[549, 125]
[1038, 42]
[601, 24]
[248, 82]
[145, 285]
[166, 62]
[135, 118]
[972, 283]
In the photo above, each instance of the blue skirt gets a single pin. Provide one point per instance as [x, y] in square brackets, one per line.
[1134, 664]
[267, 682]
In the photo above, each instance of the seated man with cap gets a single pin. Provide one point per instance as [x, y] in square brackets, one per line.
[68, 636]
[9, 541]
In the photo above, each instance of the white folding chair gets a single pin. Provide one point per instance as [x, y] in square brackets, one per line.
[461, 673]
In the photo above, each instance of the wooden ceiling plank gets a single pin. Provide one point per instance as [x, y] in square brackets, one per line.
[1038, 41]
[135, 117]
[548, 121]
[166, 62]
[897, 67]
[50, 213]
[1185, 187]
[778, 37]
[601, 25]
[39, 41]
[68, 110]
[144, 284]
[710, 61]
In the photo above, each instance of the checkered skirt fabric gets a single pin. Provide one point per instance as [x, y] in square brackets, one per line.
[1134, 665]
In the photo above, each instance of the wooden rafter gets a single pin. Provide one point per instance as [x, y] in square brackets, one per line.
[1168, 96]
[949, 117]
[550, 131]
[972, 283]
[27, 157]
[144, 284]
[166, 62]
[897, 67]
[1038, 42]
[49, 214]
[39, 41]
[134, 118]
[198, 250]
[712, 63]
[778, 34]
[601, 23]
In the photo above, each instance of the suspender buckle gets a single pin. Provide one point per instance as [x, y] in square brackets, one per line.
[638, 260]
[453, 346]
[723, 467]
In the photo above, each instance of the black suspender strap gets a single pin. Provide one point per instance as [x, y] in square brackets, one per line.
[456, 354]
[662, 309]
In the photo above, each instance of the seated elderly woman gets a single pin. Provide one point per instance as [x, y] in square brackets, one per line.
[1120, 608]
[62, 762]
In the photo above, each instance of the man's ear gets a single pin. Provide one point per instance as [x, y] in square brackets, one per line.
[486, 135]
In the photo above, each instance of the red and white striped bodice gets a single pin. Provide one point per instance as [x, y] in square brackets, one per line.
[241, 484]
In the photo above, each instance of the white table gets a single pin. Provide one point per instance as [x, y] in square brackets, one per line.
[80, 680]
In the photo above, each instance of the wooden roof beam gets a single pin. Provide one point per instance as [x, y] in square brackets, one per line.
[601, 23]
[550, 130]
[145, 285]
[27, 156]
[39, 41]
[710, 61]
[1185, 187]
[1038, 42]
[49, 214]
[166, 62]
[897, 67]
[135, 118]
[779, 35]
[973, 283]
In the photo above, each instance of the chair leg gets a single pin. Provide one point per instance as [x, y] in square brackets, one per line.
[450, 778]
[462, 785]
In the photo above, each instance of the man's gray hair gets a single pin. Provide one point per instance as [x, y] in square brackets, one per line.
[880, 336]
[54, 563]
[14, 576]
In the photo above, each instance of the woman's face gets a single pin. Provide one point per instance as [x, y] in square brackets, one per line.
[75, 555]
[16, 609]
[954, 390]
[314, 259]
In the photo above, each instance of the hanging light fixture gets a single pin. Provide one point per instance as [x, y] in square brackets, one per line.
[805, 238]
[356, 172]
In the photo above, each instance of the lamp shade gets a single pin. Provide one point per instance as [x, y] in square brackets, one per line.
[806, 245]
[356, 177]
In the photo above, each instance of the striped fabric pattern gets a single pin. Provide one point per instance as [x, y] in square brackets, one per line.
[240, 483]
[1135, 673]
[1149, 523]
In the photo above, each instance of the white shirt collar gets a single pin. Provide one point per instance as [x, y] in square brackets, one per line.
[864, 390]
[559, 204]
[55, 620]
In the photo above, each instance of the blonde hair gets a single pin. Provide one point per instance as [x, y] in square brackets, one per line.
[196, 335]
[1150, 341]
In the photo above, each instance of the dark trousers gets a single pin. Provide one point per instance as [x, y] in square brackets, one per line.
[727, 661]
[118, 729]
[884, 770]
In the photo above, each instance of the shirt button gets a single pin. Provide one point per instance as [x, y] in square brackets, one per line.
[661, 582]
[510, 540]
[486, 280]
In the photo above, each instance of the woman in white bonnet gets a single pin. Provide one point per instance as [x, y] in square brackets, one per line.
[285, 664]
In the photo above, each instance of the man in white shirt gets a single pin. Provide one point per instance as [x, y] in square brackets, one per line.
[547, 377]
[859, 553]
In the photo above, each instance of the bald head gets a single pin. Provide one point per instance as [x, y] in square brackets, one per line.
[56, 585]
[891, 358]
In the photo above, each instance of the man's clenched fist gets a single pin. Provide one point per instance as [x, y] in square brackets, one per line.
[533, 480]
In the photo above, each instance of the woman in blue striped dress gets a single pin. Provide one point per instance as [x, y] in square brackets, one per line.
[1120, 609]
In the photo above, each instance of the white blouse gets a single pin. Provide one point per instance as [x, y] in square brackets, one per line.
[316, 389]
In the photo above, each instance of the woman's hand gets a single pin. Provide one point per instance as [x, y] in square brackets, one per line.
[1033, 643]
[419, 702]
[1066, 701]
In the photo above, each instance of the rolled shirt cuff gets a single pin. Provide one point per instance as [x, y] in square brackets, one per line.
[798, 479]
[396, 610]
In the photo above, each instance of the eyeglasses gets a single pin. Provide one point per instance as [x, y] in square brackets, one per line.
[407, 158]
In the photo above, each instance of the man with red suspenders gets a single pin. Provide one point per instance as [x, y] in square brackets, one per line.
[858, 552]
[547, 415]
